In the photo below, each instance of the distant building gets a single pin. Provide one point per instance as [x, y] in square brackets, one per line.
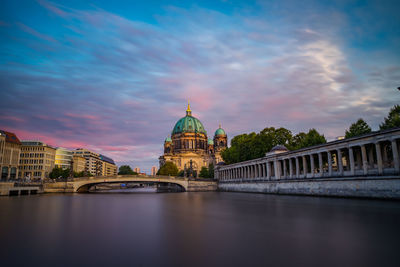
[96, 164]
[109, 168]
[137, 170]
[153, 170]
[36, 160]
[10, 150]
[79, 163]
[63, 158]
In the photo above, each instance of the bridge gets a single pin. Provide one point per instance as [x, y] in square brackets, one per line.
[364, 166]
[81, 185]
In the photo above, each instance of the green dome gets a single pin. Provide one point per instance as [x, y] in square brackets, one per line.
[220, 131]
[210, 142]
[188, 124]
[168, 139]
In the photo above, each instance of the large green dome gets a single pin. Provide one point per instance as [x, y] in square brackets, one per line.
[189, 124]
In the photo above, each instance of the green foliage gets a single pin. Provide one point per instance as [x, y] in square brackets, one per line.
[251, 146]
[204, 172]
[392, 120]
[126, 170]
[181, 173]
[169, 168]
[59, 173]
[358, 128]
[81, 174]
[211, 170]
[312, 138]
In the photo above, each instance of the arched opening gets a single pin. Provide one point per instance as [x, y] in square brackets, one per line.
[161, 186]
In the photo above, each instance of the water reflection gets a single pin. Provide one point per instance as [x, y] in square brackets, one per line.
[197, 229]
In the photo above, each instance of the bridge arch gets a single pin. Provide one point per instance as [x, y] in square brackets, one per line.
[82, 186]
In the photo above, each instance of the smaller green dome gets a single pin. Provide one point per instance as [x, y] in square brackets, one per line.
[168, 139]
[210, 142]
[220, 131]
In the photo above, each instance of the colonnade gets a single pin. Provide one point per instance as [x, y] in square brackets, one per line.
[375, 154]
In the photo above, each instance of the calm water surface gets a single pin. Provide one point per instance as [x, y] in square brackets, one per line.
[197, 229]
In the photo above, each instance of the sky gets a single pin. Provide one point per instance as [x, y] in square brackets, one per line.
[115, 76]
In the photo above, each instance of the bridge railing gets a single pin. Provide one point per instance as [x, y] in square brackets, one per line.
[374, 154]
[156, 177]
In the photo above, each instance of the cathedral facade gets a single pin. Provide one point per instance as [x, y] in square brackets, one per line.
[189, 145]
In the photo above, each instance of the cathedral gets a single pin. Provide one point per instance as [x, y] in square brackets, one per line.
[189, 145]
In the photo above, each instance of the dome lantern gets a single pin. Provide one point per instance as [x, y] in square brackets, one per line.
[188, 111]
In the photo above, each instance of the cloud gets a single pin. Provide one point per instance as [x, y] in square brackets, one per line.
[118, 85]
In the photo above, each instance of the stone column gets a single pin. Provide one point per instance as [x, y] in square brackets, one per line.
[312, 165]
[297, 167]
[364, 159]
[379, 157]
[329, 163]
[290, 168]
[340, 162]
[351, 158]
[305, 166]
[268, 170]
[320, 164]
[395, 156]
[279, 167]
[276, 169]
[284, 168]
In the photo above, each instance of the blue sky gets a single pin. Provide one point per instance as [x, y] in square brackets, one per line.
[115, 76]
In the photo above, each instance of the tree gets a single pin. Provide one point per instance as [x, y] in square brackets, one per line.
[392, 120]
[59, 173]
[204, 172]
[211, 170]
[251, 146]
[126, 170]
[169, 168]
[312, 138]
[358, 128]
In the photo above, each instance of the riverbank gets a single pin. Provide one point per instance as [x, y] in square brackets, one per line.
[356, 187]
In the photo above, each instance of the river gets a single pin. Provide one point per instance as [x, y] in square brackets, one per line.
[197, 229]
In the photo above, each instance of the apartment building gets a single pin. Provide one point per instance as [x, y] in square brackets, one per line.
[10, 150]
[36, 160]
[109, 168]
[63, 158]
[94, 164]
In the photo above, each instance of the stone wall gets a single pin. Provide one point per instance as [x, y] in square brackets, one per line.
[371, 187]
